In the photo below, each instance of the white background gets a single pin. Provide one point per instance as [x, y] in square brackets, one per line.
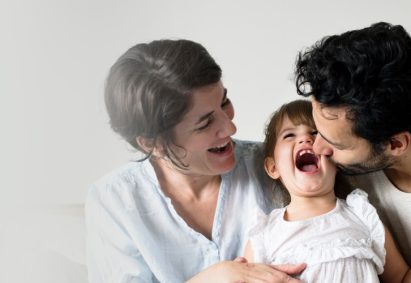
[55, 55]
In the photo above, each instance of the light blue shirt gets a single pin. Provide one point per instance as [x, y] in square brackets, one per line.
[134, 234]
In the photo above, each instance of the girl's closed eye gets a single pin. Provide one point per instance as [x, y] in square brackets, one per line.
[288, 135]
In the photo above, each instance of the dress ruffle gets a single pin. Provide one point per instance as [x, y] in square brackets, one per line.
[367, 243]
[358, 202]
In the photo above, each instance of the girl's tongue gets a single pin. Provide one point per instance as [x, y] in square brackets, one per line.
[307, 162]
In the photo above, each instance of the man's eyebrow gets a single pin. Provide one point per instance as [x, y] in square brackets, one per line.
[337, 145]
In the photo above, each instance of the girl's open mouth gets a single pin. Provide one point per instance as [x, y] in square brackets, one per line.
[306, 161]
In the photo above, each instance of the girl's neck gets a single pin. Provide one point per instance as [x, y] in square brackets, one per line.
[305, 207]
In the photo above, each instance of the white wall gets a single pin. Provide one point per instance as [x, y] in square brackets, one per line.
[55, 55]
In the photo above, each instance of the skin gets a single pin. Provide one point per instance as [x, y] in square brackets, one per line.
[194, 191]
[354, 155]
[312, 193]
[349, 152]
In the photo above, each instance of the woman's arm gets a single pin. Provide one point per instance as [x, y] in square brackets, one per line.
[395, 268]
[243, 271]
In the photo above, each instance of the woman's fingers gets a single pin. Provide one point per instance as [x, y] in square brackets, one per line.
[270, 274]
[241, 259]
[291, 269]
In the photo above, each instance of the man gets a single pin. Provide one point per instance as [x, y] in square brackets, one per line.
[360, 82]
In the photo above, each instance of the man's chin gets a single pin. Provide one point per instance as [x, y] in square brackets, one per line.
[358, 169]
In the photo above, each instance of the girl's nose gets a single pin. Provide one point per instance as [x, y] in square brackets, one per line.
[306, 139]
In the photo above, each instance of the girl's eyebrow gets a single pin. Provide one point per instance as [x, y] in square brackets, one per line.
[285, 130]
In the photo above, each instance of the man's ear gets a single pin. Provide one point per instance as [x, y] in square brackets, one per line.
[399, 143]
[270, 168]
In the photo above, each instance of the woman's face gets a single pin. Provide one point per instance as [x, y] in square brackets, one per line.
[203, 137]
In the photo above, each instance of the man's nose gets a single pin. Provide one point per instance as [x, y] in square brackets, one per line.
[321, 146]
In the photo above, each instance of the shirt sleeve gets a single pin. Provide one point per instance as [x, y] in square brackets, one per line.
[111, 254]
[359, 204]
[256, 236]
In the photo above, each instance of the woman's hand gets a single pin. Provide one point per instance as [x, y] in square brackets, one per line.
[239, 271]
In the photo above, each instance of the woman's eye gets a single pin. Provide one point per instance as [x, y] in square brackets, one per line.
[225, 103]
[209, 120]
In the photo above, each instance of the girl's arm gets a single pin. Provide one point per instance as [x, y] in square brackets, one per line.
[395, 268]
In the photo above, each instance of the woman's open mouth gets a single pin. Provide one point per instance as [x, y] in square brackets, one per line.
[221, 148]
[306, 161]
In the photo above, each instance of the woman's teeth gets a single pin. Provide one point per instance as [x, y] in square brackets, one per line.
[219, 148]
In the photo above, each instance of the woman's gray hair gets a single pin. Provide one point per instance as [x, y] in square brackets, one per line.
[148, 90]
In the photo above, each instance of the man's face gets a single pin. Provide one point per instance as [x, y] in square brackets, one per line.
[335, 139]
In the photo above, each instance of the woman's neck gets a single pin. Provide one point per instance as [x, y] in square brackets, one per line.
[194, 197]
[305, 207]
[175, 183]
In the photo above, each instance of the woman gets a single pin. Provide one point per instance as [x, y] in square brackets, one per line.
[179, 214]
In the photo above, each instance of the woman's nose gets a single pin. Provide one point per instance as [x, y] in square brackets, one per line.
[226, 128]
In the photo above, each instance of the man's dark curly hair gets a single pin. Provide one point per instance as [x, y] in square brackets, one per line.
[369, 72]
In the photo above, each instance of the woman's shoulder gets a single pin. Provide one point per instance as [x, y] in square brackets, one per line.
[124, 181]
[249, 155]
[247, 147]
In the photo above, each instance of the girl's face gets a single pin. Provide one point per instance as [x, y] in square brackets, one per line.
[301, 171]
[203, 137]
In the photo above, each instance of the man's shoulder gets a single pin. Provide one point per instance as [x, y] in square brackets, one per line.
[369, 181]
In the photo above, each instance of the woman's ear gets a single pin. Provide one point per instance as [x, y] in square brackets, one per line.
[146, 144]
[399, 143]
[270, 168]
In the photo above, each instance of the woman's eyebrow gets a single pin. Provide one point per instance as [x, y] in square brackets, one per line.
[204, 117]
[224, 95]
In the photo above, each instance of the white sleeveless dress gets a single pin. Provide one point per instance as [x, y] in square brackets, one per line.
[343, 245]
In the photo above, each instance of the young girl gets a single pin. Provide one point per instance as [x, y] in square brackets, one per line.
[339, 240]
